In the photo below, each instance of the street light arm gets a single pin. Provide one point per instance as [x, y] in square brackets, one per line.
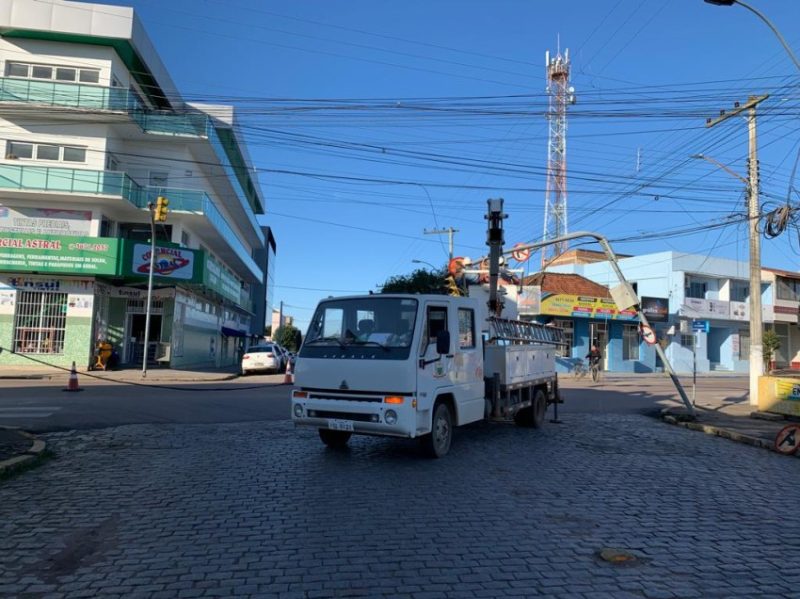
[763, 17]
[723, 167]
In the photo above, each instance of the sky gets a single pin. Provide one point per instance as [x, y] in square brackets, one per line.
[371, 122]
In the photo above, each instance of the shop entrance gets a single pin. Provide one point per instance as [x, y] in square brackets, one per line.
[598, 335]
[136, 323]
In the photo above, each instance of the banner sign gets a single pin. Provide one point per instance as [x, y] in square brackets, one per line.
[529, 302]
[45, 221]
[58, 254]
[580, 306]
[655, 309]
[170, 262]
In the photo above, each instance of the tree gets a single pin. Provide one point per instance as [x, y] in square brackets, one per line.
[268, 331]
[419, 281]
[770, 343]
[287, 336]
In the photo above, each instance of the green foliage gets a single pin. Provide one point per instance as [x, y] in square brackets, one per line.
[419, 281]
[268, 331]
[287, 336]
[770, 343]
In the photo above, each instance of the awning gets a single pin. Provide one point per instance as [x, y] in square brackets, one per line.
[228, 332]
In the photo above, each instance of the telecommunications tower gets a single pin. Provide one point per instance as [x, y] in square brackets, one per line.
[555, 201]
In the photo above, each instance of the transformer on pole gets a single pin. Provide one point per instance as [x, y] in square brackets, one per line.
[555, 202]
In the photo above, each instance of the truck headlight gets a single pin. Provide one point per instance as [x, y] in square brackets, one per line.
[390, 416]
[298, 410]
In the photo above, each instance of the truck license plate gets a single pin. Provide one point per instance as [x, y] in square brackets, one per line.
[341, 425]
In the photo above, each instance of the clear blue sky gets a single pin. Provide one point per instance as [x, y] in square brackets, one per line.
[428, 108]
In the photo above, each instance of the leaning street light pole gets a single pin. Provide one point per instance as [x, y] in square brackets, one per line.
[756, 324]
[763, 17]
[612, 258]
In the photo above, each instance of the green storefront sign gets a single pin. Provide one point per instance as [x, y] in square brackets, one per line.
[20, 252]
[171, 263]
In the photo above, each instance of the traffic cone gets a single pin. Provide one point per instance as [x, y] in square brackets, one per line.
[72, 386]
[288, 378]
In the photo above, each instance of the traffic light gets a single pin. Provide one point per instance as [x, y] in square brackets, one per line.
[160, 214]
[451, 286]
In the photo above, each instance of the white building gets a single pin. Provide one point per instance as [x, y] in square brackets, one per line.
[93, 131]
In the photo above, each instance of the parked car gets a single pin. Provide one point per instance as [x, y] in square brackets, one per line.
[284, 355]
[263, 357]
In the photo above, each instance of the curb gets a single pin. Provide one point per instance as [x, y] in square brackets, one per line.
[33, 453]
[724, 433]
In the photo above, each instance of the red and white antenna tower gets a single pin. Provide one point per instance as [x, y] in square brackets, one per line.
[555, 201]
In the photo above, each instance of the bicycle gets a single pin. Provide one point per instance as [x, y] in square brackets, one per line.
[579, 370]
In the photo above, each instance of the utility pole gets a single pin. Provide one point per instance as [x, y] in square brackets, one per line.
[449, 231]
[756, 325]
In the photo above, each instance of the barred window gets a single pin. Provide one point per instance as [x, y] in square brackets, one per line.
[565, 351]
[40, 322]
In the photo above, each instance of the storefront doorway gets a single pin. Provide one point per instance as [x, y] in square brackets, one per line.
[134, 330]
[598, 335]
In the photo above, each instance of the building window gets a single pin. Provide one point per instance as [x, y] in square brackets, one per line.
[744, 344]
[740, 291]
[568, 328]
[20, 150]
[787, 289]
[52, 73]
[696, 289]
[16, 149]
[40, 322]
[466, 328]
[687, 341]
[630, 342]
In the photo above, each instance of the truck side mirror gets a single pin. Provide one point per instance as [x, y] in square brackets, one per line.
[443, 342]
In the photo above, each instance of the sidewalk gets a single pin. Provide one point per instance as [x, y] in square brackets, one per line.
[737, 421]
[154, 375]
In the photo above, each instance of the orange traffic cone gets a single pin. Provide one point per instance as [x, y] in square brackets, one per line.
[288, 378]
[72, 386]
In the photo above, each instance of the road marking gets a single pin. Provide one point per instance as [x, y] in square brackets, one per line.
[28, 412]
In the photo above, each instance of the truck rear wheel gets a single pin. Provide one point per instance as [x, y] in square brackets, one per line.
[337, 439]
[437, 443]
[539, 408]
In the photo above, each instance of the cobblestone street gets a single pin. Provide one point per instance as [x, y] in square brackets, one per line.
[261, 509]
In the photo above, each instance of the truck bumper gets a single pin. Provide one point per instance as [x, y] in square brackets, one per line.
[359, 417]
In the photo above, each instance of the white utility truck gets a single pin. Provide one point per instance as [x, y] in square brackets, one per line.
[416, 366]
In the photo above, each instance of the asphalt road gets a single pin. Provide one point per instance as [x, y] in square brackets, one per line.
[42, 406]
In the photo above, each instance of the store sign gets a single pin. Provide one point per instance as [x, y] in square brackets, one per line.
[529, 302]
[169, 263]
[703, 308]
[134, 293]
[58, 254]
[45, 221]
[655, 309]
[580, 306]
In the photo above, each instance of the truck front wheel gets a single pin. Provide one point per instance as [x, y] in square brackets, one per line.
[336, 439]
[437, 443]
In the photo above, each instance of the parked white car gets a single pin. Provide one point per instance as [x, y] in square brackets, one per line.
[261, 358]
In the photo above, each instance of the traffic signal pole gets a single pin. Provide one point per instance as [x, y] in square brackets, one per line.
[149, 286]
[158, 212]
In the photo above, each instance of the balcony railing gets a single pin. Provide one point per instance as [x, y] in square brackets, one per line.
[110, 183]
[69, 95]
[94, 97]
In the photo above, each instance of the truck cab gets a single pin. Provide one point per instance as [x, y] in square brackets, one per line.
[392, 364]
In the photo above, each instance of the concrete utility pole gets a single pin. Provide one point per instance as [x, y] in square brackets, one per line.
[449, 231]
[756, 324]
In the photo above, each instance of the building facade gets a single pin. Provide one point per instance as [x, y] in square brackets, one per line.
[93, 131]
[680, 292]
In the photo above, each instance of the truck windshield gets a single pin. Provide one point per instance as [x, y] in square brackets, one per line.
[374, 323]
